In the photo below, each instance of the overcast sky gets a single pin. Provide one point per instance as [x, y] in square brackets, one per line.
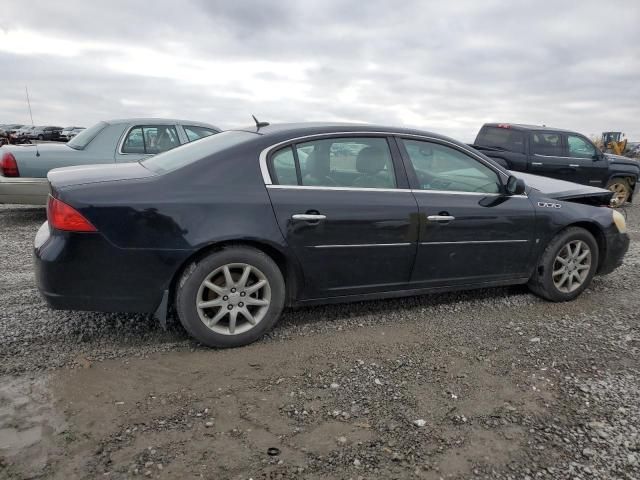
[445, 66]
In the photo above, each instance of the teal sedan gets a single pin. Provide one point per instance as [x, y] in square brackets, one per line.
[24, 168]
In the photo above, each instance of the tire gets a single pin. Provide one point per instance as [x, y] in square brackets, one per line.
[192, 290]
[621, 191]
[40, 137]
[543, 282]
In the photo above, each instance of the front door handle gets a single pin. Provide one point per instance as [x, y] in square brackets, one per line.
[536, 164]
[440, 218]
[308, 217]
[573, 165]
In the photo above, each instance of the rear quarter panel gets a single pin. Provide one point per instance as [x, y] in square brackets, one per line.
[219, 199]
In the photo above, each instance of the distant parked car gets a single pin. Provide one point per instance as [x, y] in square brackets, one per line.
[24, 168]
[45, 133]
[69, 132]
[22, 134]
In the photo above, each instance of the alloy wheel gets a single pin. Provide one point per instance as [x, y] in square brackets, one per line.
[571, 266]
[233, 299]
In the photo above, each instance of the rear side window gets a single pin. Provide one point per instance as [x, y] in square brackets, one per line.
[337, 162]
[150, 139]
[548, 144]
[504, 138]
[195, 133]
[284, 167]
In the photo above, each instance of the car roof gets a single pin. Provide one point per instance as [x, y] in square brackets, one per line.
[159, 121]
[524, 126]
[317, 128]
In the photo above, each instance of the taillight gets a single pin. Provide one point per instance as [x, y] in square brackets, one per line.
[8, 165]
[63, 217]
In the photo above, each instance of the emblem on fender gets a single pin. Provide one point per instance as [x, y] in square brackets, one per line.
[549, 205]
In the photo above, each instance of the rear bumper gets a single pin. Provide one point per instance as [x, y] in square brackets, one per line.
[28, 191]
[617, 247]
[84, 271]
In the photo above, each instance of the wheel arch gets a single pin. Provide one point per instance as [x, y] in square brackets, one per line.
[598, 234]
[288, 266]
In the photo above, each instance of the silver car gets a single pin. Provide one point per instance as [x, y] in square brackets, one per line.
[24, 168]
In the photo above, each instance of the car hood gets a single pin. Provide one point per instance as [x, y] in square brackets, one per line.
[60, 178]
[563, 190]
[620, 160]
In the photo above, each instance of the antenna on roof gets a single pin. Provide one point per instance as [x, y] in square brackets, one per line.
[31, 115]
[259, 125]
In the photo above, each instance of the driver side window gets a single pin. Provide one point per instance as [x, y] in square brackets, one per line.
[443, 168]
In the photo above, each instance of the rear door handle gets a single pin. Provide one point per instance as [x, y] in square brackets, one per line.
[440, 218]
[574, 165]
[308, 217]
[536, 164]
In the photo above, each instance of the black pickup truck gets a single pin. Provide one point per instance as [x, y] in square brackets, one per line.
[562, 154]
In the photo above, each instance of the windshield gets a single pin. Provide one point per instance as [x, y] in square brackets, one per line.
[82, 139]
[194, 151]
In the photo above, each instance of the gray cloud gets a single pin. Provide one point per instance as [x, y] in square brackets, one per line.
[447, 67]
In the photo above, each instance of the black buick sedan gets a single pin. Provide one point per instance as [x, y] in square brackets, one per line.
[230, 229]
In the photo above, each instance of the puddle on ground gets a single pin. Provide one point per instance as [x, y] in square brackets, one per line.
[28, 424]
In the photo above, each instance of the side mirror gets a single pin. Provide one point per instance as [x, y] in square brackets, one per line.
[515, 186]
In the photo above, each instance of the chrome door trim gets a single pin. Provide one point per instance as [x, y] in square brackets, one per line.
[364, 245]
[266, 176]
[473, 242]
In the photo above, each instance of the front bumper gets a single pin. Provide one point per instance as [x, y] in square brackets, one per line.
[616, 248]
[84, 271]
[27, 191]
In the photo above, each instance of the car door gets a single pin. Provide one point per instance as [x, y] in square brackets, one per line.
[470, 232]
[548, 156]
[592, 166]
[343, 205]
[141, 141]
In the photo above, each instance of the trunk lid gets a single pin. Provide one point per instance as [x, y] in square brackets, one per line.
[61, 178]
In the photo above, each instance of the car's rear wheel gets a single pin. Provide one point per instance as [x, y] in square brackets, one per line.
[621, 191]
[40, 137]
[567, 266]
[231, 297]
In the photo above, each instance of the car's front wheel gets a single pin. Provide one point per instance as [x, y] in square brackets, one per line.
[567, 266]
[231, 297]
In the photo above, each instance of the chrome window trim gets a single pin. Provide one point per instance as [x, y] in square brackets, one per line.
[473, 242]
[265, 152]
[361, 245]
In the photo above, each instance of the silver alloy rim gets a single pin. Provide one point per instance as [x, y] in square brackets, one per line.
[571, 266]
[620, 193]
[233, 299]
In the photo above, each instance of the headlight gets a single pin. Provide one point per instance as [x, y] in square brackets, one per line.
[620, 221]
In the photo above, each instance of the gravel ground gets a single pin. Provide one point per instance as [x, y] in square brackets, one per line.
[487, 384]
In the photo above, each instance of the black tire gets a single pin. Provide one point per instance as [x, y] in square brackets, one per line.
[195, 274]
[541, 282]
[622, 190]
[40, 137]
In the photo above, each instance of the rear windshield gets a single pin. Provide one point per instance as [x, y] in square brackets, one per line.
[505, 138]
[194, 151]
[82, 139]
